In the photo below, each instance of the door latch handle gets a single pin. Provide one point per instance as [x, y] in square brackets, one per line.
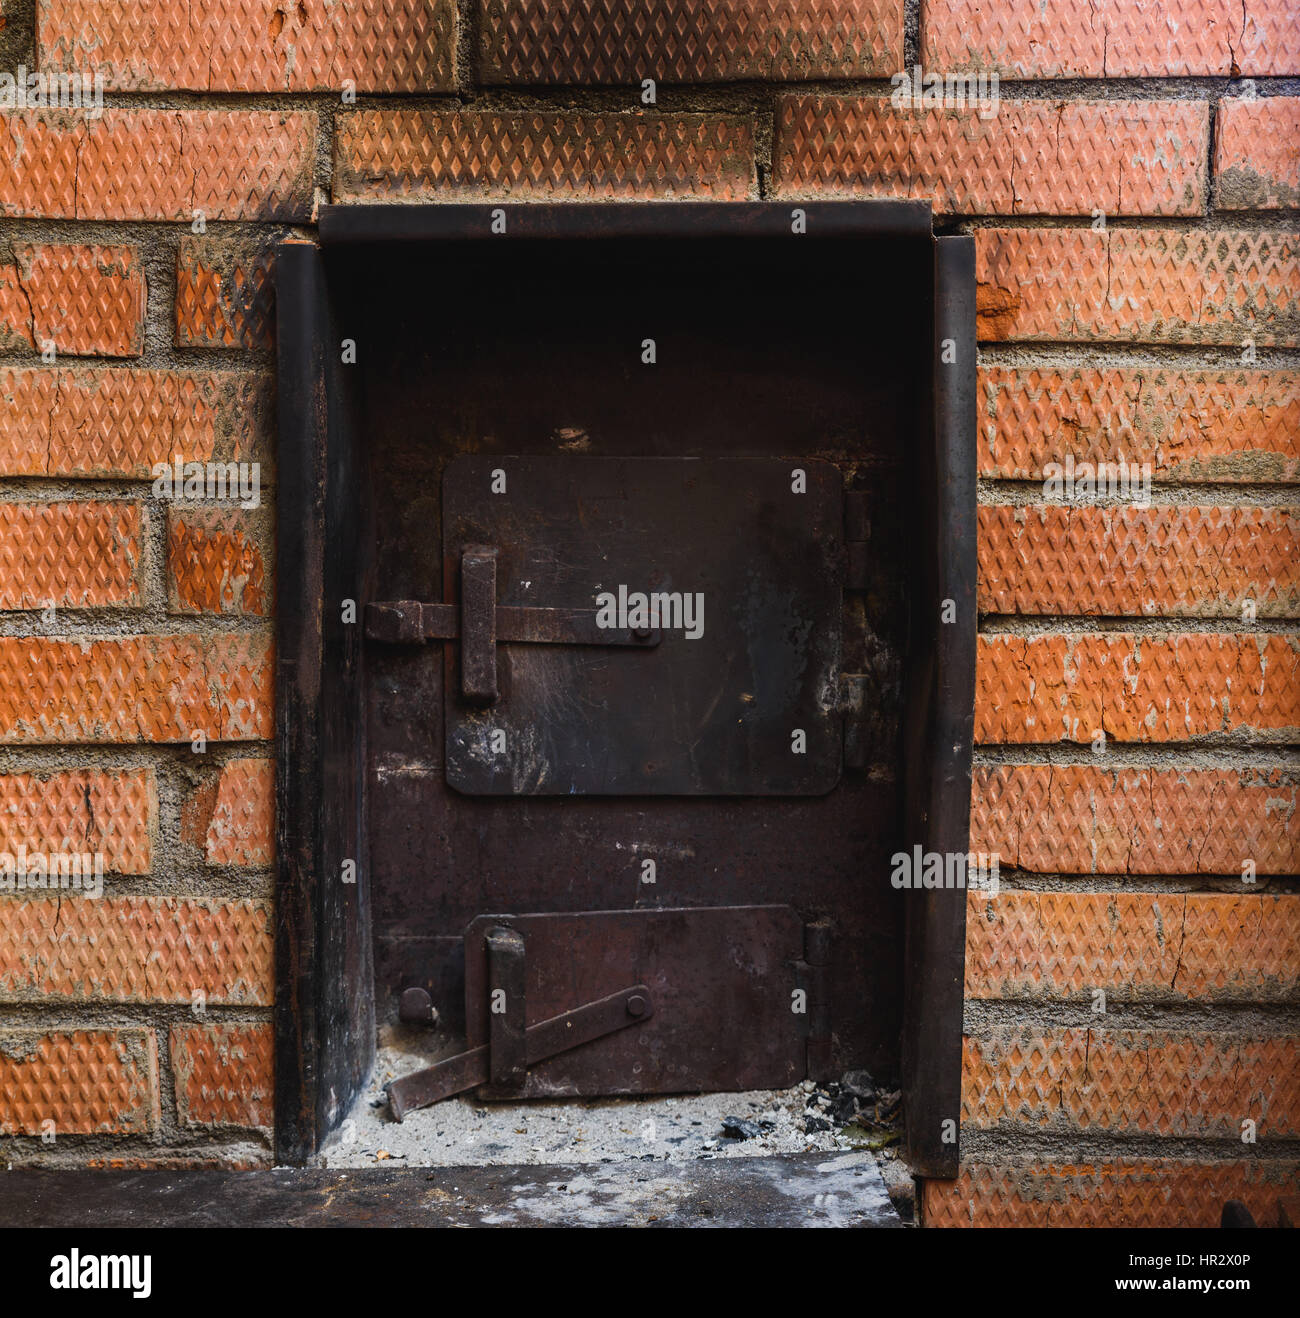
[481, 624]
[478, 624]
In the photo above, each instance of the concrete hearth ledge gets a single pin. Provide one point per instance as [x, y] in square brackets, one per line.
[794, 1190]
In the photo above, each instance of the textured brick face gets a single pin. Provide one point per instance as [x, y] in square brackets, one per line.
[611, 41]
[1150, 286]
[233, 817]
[144, 688]
[156, 164]
[1112, 38]
[108, 814]
[73, 555]
[224, 1075]
[84, 1082]
[88, 301]
[1134, 688]
[1141, 947]
[254, 45]
[1029, 158]
[1151, 1192]
[1186, 425]
[137, 950]
[1157, 562]
[1084, 819]
[121, 422]
[417, 154]
[1256, 157]
[225, 296]
[1133, 1081]
[217, 560]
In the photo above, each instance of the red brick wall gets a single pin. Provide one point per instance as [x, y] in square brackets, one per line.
[1165, 334]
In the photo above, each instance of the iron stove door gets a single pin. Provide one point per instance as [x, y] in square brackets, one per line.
[728, 568]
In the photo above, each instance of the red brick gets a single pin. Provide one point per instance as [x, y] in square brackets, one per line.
[87, 300]
[217, 560]
[1142, 947]
[87, 1082]
[138, 688]
[1256, 156]
[1187, 425]
[1112, 38]
[110, 814]
[73, 555]
[225, 1075]
[1156, 562]
[122, 421]
[157, 164]
[1136, 1082]
[477, 155]
[1030, 158]
[136, 949]
[1077, 285]
[1152, 1192]
[1082, 819]
[233, 817]
[225, 295]
[673, 41]
[1135, 688]
[254, 45]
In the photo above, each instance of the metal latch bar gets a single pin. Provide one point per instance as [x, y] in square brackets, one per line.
[481, 624]
[571, 1029]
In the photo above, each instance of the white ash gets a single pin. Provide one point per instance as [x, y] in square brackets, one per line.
[467, 1131]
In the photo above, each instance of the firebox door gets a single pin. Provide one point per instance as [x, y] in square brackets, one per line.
[636, 626]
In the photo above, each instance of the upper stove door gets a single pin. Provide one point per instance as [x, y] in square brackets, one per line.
[642, 626]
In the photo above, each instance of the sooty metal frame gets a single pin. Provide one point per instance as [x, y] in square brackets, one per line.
[324, 1010]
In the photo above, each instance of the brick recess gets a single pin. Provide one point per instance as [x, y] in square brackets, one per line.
[254, 45]
[1077, 285]
[121, 421]
[1256, 160]
[1133, 946]
[156, 164]
[418, 154]
[112, 814]
[224, 1075]
[86, 1082]
[1111, 38]
[1158, 562]
[1134, 688]
[1030, 158]
[73, 555]
[1081, 819]
[225, 295]
[218, 560]
[1109, 1193]
[232, 816]
[1134, 1082]
[87, 300]
[136, 949]
[1193, 425]
[141, 688]
[610, 41]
